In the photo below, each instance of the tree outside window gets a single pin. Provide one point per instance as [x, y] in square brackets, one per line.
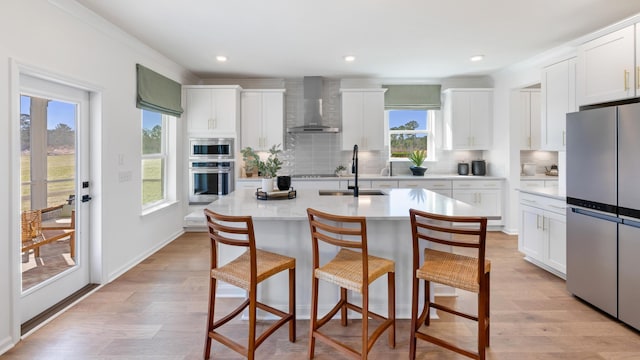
[154, 157]
[410, 130]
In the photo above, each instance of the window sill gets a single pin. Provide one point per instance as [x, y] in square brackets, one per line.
[158, 207]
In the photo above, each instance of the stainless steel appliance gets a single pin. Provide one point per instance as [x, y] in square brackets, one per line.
[603, 216]
[211, 148]
[208, 179]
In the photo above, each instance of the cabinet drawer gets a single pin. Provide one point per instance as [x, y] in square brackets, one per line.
[426, 184]
[476, 184]
[384, 184]
[544, 203]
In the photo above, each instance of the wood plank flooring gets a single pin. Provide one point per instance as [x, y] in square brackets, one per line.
[158, 311]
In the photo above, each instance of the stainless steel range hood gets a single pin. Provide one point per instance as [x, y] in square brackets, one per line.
[313, 121]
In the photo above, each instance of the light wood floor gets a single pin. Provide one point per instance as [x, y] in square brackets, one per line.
[158, 310]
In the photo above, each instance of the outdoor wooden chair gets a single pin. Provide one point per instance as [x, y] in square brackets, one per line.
[36, 233]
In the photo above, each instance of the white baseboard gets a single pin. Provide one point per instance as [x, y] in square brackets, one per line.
[6, 344]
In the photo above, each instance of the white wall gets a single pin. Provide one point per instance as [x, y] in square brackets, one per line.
[73, 44]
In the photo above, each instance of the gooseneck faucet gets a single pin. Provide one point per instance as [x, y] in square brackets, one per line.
[354, 169]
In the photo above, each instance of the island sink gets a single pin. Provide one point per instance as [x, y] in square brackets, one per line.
[363, 192]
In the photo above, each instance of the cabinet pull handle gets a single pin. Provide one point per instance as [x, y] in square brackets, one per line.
[637, 77]
[558, 207]
[537, 221]
[564, 136]
[543, 222]
[529, 201]
[626, 80]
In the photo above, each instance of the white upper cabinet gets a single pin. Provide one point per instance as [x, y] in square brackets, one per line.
[468, 117]
[212, 110]
[262, 118]
[363, 119]
[606, 68]
[530, 119]
[558, 99]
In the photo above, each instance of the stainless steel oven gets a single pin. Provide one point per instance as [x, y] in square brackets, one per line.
[211, 148]
[208, 179]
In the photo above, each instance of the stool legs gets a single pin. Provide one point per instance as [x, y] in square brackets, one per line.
[211, 312]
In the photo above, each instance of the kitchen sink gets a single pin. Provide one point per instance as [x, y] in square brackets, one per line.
[362, 192]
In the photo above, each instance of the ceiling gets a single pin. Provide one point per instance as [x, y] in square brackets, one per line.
[404, 39]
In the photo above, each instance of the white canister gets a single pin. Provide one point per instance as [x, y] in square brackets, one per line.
[528, 169]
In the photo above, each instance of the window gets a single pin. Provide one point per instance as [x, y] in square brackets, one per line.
[154, 157]
[410, 130]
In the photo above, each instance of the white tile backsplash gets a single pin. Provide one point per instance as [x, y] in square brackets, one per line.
[542, 159]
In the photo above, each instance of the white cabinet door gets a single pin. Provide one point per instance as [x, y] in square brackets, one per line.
[468, 115]
[606, 68]
[262, 120]
[490, 201]
[558, 99]
[212, 110]
[556, 232]
[199, 104]
[363, 119]
[530, 119]
[531, 238]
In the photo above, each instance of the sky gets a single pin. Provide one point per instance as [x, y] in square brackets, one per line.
[57, 112]
[401, 117]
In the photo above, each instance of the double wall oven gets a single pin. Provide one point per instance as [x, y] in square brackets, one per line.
[211, 169]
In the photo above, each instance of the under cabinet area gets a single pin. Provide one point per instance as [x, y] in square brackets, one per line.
[468, 119]
[543, 234]
[262, 118]
[363, 119]
[212, 110]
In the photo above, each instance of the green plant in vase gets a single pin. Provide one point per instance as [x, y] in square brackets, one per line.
[417, 158]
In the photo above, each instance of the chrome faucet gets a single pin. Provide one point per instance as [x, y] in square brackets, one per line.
[354, 169]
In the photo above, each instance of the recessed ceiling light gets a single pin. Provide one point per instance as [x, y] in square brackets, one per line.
[221, 58]
[477, 57]
[349, 58]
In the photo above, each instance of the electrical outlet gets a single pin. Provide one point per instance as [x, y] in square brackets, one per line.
[124, 176]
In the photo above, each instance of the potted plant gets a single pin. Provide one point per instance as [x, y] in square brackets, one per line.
[417, 157]
[268, 168]
[249, 158]
[340, 170]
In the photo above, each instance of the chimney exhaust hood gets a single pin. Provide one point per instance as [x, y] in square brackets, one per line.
[313, 121]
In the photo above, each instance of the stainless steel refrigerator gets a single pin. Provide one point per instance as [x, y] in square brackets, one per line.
[603, 213]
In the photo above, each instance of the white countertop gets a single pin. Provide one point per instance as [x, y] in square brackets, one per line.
[538, 177]
[393, 206]
[384, 177]
[550, 192]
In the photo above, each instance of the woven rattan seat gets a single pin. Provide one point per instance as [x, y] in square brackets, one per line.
[345, 270]
[238, 271]
[246, 271]
[352, 268]
[461, 271]
[454, 270]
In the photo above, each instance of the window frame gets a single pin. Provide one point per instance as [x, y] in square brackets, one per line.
[165, 155]
[430, 132]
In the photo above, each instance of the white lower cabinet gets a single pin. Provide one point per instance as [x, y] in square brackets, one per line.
[542, 236]
[442, 187]
[483, 194]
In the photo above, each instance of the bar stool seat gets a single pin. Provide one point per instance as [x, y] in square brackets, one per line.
[352, 268]
[246, 271]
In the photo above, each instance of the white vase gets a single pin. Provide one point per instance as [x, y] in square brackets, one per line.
[267, 184]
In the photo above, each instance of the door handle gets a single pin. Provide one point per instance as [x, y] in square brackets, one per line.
[85, 198]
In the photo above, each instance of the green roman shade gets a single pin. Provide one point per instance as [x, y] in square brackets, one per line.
[412, 97]
[158, 93]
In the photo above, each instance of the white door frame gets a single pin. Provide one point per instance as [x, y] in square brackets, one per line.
[96, 270]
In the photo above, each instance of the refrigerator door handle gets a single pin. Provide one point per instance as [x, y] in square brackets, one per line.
[630, 221]
[595, 214]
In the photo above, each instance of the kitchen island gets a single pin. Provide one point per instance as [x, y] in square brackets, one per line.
[281, 226]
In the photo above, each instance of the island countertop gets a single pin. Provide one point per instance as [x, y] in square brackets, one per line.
[394, 205]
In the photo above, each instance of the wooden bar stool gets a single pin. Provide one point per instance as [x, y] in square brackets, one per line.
[246, 272]
[351, 269]
[464, 272]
